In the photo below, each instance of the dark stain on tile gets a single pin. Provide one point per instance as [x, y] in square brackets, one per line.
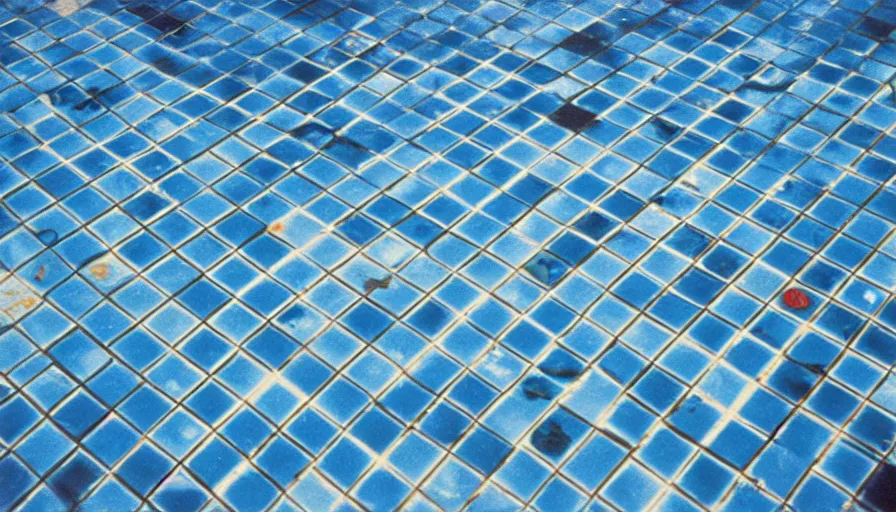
[47, 236]
[91, 102]
[539, 388]
[72, 97]
[560, 371]
[876, 27]
[584, 44]
[372, 284]
[161, 21]
[314, 134]
[880, 491]
[573, 118]
[73, 481]
[663, 129]
[550, 439]
[776, 86]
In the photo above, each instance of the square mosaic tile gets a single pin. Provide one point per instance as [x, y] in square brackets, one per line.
[444, 255]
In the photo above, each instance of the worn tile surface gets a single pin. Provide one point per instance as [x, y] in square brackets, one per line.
[552, 255]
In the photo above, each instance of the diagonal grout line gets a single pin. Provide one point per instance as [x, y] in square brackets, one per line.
[492, 250]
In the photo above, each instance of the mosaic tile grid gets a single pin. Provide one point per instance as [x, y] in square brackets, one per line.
[552, 255]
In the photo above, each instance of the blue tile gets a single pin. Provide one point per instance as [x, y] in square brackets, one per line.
[543, 233]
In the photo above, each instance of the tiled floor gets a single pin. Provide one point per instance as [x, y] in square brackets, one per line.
[552, 255]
